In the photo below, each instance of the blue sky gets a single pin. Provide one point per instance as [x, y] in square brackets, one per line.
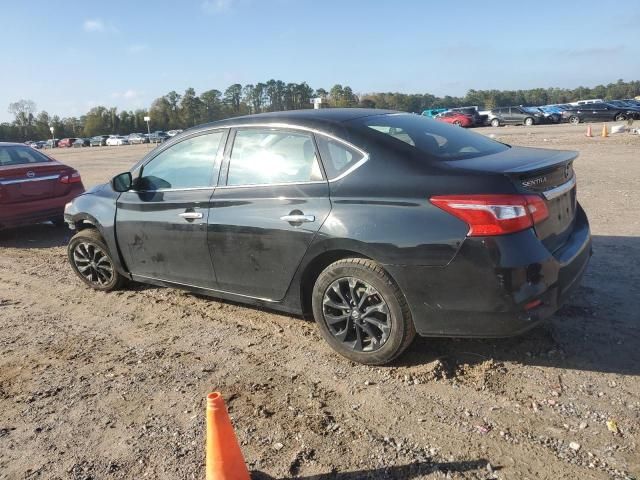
[69, 56]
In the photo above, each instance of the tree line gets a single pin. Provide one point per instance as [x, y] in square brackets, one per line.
[174, 110]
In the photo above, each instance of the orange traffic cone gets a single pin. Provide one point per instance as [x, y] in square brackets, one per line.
[224, 458]
[605, 133]
[589, 134]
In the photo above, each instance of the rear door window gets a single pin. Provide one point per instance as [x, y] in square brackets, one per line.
[262, 156]
[338, 157]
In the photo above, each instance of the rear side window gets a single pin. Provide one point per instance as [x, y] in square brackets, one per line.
[20, 156]
[437, 140]
[337, 157]
[188, 164]
[271, 156]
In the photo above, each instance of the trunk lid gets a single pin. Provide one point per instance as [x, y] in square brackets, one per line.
[548, 173]
[29, 182]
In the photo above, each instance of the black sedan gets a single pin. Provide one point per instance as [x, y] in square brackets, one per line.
[379, 224]
[599, 112]
[98, 141]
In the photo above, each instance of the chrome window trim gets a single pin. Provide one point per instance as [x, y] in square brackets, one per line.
[282, 184]
[205, 288]
[171, 190]
[560, 190]
[355, 166]
[26, 180]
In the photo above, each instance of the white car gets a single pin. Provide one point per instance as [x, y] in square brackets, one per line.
[173, 133]
[116, 140]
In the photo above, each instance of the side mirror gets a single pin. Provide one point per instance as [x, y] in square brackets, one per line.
[122, 182]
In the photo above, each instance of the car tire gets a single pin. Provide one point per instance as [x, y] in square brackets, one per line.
[620, 117]
[457, 123]
[381, 329]
[91, 261]
[574, 120]
[495, 122]
[528, 121]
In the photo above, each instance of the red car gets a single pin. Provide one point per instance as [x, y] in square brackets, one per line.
[66, 142]
[456, 118]
[34, 187]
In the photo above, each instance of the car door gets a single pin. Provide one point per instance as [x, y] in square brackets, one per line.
[272, 199]
[161, 224]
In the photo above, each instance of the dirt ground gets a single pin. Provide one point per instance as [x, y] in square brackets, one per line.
[96, 385]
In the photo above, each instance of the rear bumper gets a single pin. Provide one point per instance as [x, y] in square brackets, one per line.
[28, 213]
[483, 291]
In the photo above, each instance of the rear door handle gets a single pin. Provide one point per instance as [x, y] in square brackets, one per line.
[191, 215]
[298, 218]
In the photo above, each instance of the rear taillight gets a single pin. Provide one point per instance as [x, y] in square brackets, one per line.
[71, 178]
[494, 214]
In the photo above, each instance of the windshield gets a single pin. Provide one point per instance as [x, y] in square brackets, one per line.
[17, 155]
[436, 139]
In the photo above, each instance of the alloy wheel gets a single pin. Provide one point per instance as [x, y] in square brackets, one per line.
[93, 263]
[356, 314]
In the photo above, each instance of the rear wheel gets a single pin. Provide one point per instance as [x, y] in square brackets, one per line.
[528, 121]
[495, 122]
[620, 117]
[574, 120]
[91, 261]
[361, 312]
[457, 123]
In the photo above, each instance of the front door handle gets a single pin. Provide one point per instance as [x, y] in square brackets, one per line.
[191, 215]
[301, 218]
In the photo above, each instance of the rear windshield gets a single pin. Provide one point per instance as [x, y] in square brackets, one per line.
[436, 139]
[16, 155]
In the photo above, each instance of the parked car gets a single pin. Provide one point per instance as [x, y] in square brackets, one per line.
[39, 144]
[137, 138]
[158, 137]
[51, 143]
[514, 116]
[587, 102]
[547, 116]
[33, 187]
[478, 118]
[98, 141]
[173, 133]
[623, 104]
[598, 112]
[456, 118]
[81, 142]
[117, 140]
[465, 236]
[433, 112]
[66, 142]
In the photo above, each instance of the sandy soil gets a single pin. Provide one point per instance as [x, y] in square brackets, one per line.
[97, 385]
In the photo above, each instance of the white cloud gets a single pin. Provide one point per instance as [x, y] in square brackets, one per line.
[93, 25]
[129, 94]
[216, 6]
[137, 48]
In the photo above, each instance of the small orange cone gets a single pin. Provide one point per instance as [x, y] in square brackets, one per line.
[224, 457]
[589, 133]
[605, 133]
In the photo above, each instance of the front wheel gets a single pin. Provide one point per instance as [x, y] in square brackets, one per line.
[574, 120]
[620, 117]
[361, 312]
[91, 261]
[528, 121]
[457, 123]
[495, 122]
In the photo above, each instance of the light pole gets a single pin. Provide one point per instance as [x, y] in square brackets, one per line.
[53, 141]
[147, 119]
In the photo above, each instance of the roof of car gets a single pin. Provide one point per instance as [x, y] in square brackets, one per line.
[305, 117]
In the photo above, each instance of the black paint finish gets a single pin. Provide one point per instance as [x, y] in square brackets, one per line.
[242, 250]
